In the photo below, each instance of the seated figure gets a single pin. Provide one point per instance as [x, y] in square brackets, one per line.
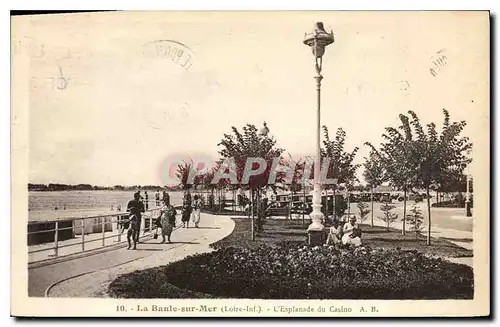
[354, 238]
[335, 233]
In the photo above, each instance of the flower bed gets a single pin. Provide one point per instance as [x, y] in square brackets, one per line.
[302, 272]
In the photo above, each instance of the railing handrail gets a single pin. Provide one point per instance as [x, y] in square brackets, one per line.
[81, 240]
[118, 213]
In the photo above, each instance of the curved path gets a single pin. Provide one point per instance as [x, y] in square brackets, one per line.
[90, 276]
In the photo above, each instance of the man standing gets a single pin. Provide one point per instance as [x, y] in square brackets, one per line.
[157, 198]
[166, 197]
[147, 199]
[136, 207]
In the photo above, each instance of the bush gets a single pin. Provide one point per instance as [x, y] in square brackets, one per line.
[415, 220]
[363, 211]
[388, 216]
[302, 272]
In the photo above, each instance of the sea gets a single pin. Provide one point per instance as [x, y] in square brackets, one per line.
[53, 205]
[72, 204]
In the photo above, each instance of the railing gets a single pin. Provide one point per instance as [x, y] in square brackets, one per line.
[86, 234]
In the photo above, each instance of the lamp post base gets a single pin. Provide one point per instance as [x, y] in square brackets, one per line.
[468, 212]
[315, 237]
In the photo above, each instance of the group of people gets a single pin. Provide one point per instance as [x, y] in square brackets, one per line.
[347, 234]
[166, 220]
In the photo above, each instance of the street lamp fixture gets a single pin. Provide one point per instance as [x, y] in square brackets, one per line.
[318, 40]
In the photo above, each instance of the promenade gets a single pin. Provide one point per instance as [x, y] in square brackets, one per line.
[89, 276]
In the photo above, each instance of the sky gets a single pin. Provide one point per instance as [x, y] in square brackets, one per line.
[107, 106]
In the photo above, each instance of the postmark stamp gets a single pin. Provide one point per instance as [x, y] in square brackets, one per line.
[172, 50]
[439, 61]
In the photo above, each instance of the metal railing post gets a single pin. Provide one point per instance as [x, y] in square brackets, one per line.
[119, 226]
[83, 234]
[103, 225]
[56, 239]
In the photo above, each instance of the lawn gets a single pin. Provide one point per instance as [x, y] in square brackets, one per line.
[280, 265]
[277, 231]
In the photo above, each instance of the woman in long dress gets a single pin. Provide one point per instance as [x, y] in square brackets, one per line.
[196, 211]
[335, 234]
[167, 221]
[351, 232]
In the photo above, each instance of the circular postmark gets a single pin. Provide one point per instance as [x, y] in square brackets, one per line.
[175, 51]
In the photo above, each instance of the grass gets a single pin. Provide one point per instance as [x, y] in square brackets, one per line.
[242, 268]
[277, 231]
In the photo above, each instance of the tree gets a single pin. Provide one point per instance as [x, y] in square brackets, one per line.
[437, 154]
[363, 211]
[250, 143]
[341, 166]
[182, 175]
[415, 220]
[374, 172]
[400, 162]
[388, 216]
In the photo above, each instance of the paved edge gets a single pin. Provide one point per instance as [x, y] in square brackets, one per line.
[203, 248]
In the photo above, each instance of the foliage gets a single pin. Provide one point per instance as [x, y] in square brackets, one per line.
[182, 175]
[374, 168]
[415, 220]
[340, 206]
[250, 144]
[240, 146]
[416, 158]
[297, 183]
[211, 201]
[301, 272]
[341, 162]
[363, 211]
[388, 217]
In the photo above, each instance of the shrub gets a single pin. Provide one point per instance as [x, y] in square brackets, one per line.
[302, 272]
[363, 211]
[415, 220]
[388, 216]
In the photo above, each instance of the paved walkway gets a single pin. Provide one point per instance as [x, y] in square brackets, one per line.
[89, 276]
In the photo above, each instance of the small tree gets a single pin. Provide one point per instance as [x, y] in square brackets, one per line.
[374, 172]
[251, 143]
[341, 167]
[388, 216]
[363, 211]
[415, 220]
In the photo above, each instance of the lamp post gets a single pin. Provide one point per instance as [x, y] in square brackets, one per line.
[317, 40]
[468, 212]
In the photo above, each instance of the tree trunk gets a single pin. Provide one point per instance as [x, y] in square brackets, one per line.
[348, 205]
[404, 213]
[252, 213]
[428, 218]
[334, 203]
[234, 201]
[372, 203]
[416, 230]
[304, 205]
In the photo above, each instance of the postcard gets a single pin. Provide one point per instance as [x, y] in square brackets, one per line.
[251, 164]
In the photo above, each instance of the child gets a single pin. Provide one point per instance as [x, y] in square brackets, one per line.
[133, 231]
